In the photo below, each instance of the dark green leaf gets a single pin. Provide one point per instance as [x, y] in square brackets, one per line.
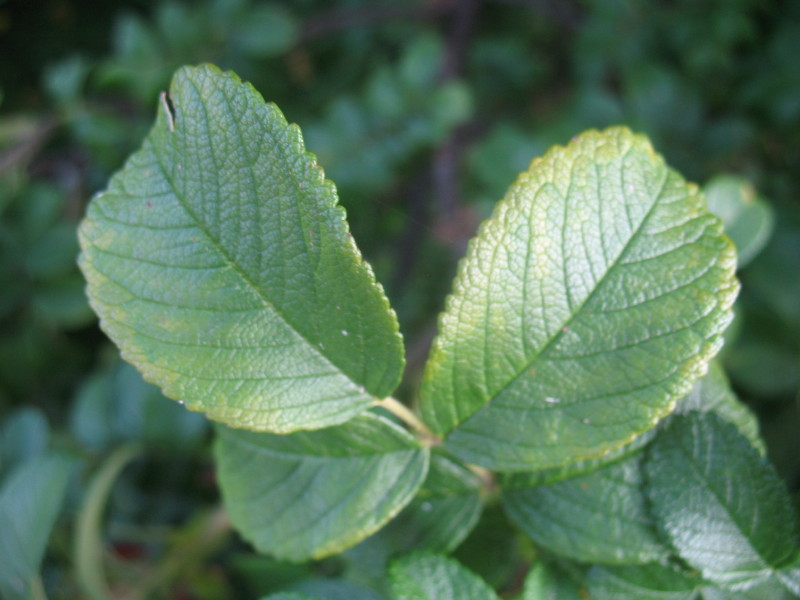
[546, 582]
[443, 513]
[310, 494]
[601, 517]
[713, 394]
[601, 267]
[721, 505]
[646, 582]
[221, 265]
[433, 577]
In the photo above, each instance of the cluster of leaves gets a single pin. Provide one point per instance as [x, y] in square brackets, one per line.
[422, 114]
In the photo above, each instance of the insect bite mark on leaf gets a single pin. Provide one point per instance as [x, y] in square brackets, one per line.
[166, 103]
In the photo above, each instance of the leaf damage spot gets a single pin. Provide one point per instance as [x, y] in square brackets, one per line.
[166, 104]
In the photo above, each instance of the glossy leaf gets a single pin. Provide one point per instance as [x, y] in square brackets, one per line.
[434, 577]
[723, 507]
[713, 394]
[646, 582]
[601, 517]
[444, 511]
[311, 494]
[770, 589]
[601, 268]
[221, 265]
[30, 500]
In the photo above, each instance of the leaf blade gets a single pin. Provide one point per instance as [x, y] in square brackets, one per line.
[565, 284]
[726, 512]
[311, 494]
[220, 263]
[424, 576]
[600, 517]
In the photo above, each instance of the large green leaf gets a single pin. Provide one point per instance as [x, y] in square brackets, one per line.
[600, 517]
[30, 500]
[434, 577]
[646, 582]
[221, 265]
[585, 308]
[722, 506]
[310, 494]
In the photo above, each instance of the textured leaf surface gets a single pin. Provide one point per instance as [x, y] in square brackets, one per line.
[722, 506]
[713, 394]
[310, 494]
[434, 577]
[443, 513]
[600, 517]
[647, 582]
[30, 500]
[221, 265]
[601, 268]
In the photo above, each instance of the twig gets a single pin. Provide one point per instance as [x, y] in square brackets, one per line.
[405, 414]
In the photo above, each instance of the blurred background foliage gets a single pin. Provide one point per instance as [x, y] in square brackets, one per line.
[422, 112]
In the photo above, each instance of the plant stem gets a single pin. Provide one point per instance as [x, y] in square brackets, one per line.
[89, 544]
[408, 417]
[37, 589]
[202, 538]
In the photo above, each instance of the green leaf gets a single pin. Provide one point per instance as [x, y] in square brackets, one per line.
[601, 517]
[290, 596]
[117, 405]
[433, 577]
[547, 582]
[601, 267]
[25, 434]
[311, 494]
[336, 589]
[265, 30]
[220, 263]
[30, 500]
[748, 218]
[723, 507]
[789, 575]
[443, 513]
[713, 394]
[769, 589]
[647, 582]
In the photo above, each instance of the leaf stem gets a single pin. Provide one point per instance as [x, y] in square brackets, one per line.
[89, 546]
[191, 547]
[407, 416]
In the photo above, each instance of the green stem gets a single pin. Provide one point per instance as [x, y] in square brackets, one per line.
[201, 539]
[89, 547]
[408, 417]
[37, 589]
